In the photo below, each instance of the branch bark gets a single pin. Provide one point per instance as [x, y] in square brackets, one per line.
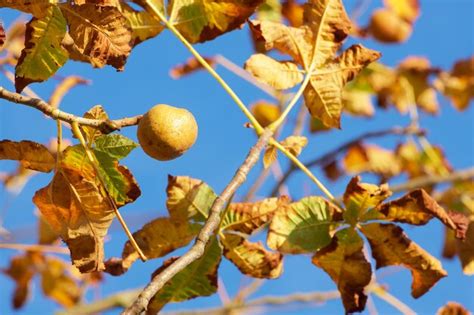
[212, 222]
[105, 126]
[331, 155]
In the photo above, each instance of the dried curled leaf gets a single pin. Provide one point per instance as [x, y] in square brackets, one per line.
[188, 198]
[280, 75]
[390, 246]
[248, 217]
[203, 20]
[31, 155]
[100, 33]
[43, 54]
[77, 208]
[158, 238]
[198, 279]
[302, 227]
[91, 133]
[343, 259]
[252, 259]
[453, 308]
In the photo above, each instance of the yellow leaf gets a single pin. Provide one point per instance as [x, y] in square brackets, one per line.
[144, 26]
[58, 285]
[358, 103]
[248, 217]
[31, 155]
[371, 158]
[252, 259]
[390, 246]
[344, 260]
[280, 75]
[466, 251]
[91, 133]
[37, 8]
[270, 156]
[295, 144]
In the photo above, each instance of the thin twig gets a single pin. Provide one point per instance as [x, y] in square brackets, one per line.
[331, 155]
[418, 182]
[311, 297]
[379, 291]
[212, 222]
[104, 125]
[37, 248]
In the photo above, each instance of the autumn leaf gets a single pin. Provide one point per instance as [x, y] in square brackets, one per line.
[293, 144]
[77, 208]
[188, 198]
[198, 279]
[158, 238]
[3, 36]
[293, 12]
[458, 84]
[21, 270]
[91, 133]
[313, 46]
[248, 217]
[31, 155]
[269, 156]
[190, 66]
[203, 20]
[38, 8]
[143, 25]
[343, 259]
[252, 259]
[452, 308]
[302, 227]
[390, 246]
[58, 285]
[100, 33]
[43, 54]
[371, 158]
[46, 234]
[466, 251]
[359, 198]
[280, 75]
[270, 10]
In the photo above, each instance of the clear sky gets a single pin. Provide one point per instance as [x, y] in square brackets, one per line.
[444, 33]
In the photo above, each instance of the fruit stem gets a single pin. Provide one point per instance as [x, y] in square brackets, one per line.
[156, 11]
[90, 155]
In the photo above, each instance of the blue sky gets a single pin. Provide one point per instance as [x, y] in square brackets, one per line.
[444, 33]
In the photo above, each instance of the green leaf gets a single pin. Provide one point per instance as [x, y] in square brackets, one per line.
[115, 145]
[198, 279]
[302, 227]
[345, 262]
[43, 54]
[188, 198]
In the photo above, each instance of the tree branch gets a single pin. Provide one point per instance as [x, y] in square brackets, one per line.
[331, 155]
[105, 126]
[212, 222]
[430, 180]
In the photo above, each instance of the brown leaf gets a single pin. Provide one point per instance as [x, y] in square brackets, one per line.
[190, 66]
[100, 33]
[31, 155]
[293, 12]
[91, 133]
[37, 8]
[390, 246]
[252, 259]
[270, 156]
[158, 238]
[295, 144]
[343, 259]
[466, 251]
[2, 35]
[248, 217]
[418, 207]
[453, 308]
